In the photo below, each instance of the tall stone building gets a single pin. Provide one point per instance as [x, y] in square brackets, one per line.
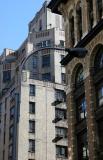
[33, 117]
[84, 29]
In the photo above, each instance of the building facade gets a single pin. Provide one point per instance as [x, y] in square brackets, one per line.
[33, 117]
[84, 29]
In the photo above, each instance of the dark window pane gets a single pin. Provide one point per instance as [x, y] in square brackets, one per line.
[32, 107]
[6, 76]
[46, 77]
[46, 61]
[32, 90]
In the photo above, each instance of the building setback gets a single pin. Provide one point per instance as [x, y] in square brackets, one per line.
[33, 114]
[83, 29]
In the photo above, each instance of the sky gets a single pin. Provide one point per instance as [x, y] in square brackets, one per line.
[14, 18]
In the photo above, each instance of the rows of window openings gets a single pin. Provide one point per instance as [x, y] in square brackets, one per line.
[44, 44]
[48, 43]
[45, 60]
[79, 22]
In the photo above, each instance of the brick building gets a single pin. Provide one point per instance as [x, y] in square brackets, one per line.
[84, 29]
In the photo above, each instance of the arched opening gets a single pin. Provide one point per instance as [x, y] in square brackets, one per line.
[98, 81]
[80, 112]
[79, 20]
[71, 28]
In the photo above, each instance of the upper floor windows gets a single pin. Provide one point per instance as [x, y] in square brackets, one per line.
[81, 108]
[6, 76]
[100, 6]
[90, 13]
[79, 20]
[46, 60]
[71, 29]
[99, 60]
[61, 151]
[32, 90]
[31, 145]
[79, 76]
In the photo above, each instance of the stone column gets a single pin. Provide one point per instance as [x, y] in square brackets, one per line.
[91, 123]
[71, 128]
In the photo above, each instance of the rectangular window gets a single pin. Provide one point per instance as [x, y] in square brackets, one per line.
[32, 90]
[100, 96]
[60, 95]
[31, 145]
[61, 151]
[62, 132]
[46, 77]
[82, 146]
[6, 76]
[46, 60]
[32, 107]
[11, 131]
[60, 113]
[12, 112]
[32, 126]
[81, 108]
[34, 61]
[63, 78]
[10, 151]
[61, 43]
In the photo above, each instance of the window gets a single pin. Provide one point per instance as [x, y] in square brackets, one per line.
[61, 151]
[32, 90]
[48, 43]
[71, 28]
[100, 134]
[12, 112]
[81, 108]
[46, 77]
[79, 76]
[90, 13]
[63, 77]
[32, 107]
[99, 5]
[60, 113]
[6, 76]
[62, 132]
[31, 145]
[79, 20]
[100, 96]
[34, 61]
[99, 60]
[32, 126]
[11, 131]
[46, 61]
[40, 25]
[82, 146]
[61, 43]
[10, 151]
[60, 95]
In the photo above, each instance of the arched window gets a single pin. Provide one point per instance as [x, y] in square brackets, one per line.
[90, 13]
[71, 28]
[79, 20]
[99, 60]
[79, 76]
[99, 5]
